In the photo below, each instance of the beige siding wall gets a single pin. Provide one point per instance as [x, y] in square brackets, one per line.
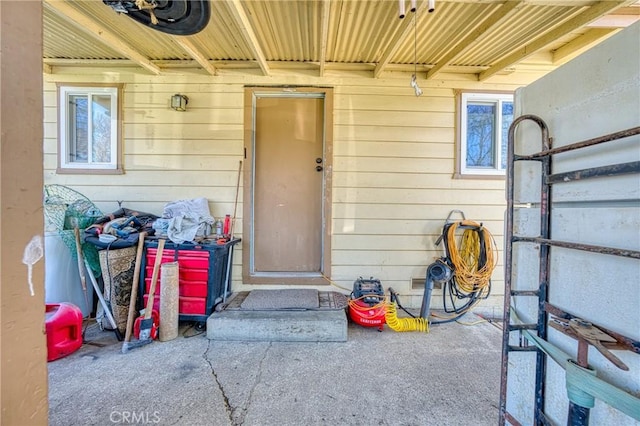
[394, 157]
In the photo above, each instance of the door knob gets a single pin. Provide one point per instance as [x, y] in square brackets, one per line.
[318, 168]
[319, 160]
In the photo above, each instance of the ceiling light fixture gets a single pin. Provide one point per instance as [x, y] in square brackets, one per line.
[431, 7]
[414, 82]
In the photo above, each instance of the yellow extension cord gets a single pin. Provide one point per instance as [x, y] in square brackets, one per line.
[465, 259]
[353, 305]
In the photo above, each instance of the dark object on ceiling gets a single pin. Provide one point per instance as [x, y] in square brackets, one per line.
[176, 17]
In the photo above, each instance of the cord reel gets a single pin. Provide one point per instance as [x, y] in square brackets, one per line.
[176, 17]
[472, 255]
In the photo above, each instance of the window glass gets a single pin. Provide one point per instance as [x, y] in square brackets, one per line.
[78, 140]
[101, 132]
[481, 134]
[507, 119]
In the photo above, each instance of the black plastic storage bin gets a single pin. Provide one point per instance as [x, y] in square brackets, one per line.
[202, 273]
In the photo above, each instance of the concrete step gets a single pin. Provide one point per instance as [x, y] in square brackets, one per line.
[278, 326]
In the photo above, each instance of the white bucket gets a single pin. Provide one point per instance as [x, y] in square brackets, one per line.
[61, 277]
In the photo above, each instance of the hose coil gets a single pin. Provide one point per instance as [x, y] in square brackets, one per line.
[404, 324]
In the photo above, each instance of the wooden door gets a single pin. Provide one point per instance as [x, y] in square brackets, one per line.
[288, 187]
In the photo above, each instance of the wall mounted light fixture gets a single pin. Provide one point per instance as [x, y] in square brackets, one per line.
[179, 102]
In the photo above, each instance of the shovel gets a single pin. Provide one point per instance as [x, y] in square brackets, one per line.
[147, 322]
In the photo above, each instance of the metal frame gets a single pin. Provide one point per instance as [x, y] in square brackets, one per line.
[545, 242]
[286, 93]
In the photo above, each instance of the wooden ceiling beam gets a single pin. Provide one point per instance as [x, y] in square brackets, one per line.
[590, 14]
[475, 36]
[92, 27]
[170, 66]
[196, 54]
[324, 33]
[244, 25]
[616, 20]
[581, 44]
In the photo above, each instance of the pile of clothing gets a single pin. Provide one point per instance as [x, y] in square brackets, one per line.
[185, 220]
[181, 221]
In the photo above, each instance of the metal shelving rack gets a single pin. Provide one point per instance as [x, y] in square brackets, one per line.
[545, 243]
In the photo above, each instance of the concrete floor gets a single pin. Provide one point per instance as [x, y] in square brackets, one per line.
[450, 376]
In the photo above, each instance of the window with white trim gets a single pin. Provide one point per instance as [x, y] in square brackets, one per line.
[484, 120]
[89, 129]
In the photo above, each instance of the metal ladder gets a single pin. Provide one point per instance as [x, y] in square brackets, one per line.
[578, 416]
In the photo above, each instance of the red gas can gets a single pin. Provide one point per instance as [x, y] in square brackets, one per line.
[63, 323]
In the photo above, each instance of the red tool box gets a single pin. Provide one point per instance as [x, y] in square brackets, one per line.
[202, 272]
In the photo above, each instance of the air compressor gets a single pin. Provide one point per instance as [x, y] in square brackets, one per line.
[367, 303]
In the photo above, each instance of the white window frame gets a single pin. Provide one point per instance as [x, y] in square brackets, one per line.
[64, 164]
[462, 170]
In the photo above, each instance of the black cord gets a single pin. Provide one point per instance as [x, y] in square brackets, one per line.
[393, 297]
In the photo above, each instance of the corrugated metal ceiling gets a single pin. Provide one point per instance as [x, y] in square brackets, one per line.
[526, 24]
[366, 33]
[69, 42]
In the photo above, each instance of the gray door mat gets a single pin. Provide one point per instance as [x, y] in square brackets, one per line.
[293, 298]
[327, 300]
